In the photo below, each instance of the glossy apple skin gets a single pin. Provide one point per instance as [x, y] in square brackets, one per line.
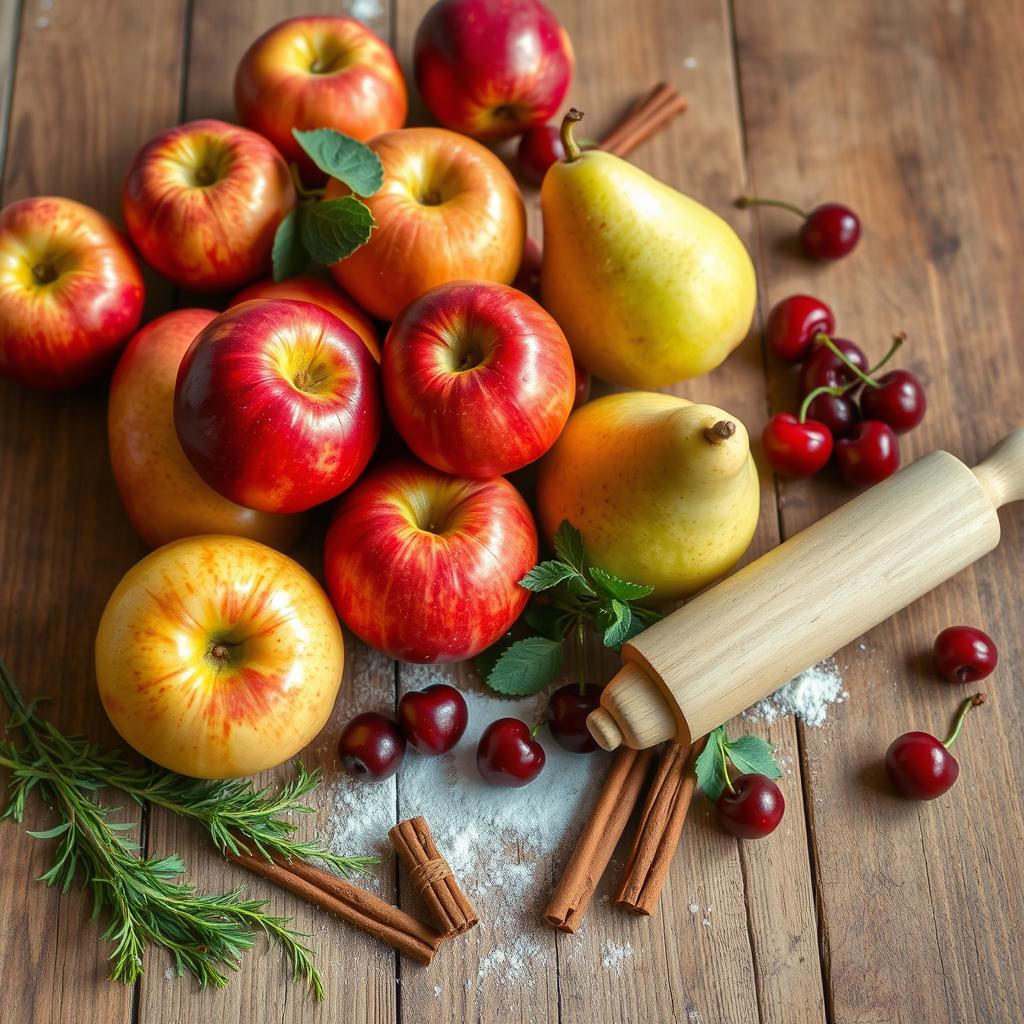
[319, 72]
[57, 334]
[276, 405]
[213, 236]
[492, 68]
[448, 209]
[320, 293]
[478, 378]
[165, 498]
[426, 566]
[218, 711]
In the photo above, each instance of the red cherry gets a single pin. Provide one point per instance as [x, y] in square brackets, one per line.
[582, 384]
[753, 808]
[964, 654]
[508, 755]
[433, 719]
[567, 716]
[824, 369]
[897, 400]
[793, 324]
[527, 277]
[921, 767]
[830, 232]
[796, 449]
[539, 148]
[837, 412]
[869, 455]
[371, 745]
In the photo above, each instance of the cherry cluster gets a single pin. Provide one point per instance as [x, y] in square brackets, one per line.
[847, 410]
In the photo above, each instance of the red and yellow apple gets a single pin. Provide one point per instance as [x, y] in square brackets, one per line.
[218, 657]
[448, 209]
[492, 68]
[165, 498]
[426, 566]
[478, 379]
[202, 203]
[320, 293]
[319, 72]
[70, 292]
[276, 405]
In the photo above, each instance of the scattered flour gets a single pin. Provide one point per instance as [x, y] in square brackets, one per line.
[808, 696]
[170, 974]
[613, 955]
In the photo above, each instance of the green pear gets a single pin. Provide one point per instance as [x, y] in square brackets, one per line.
[649, 286]
[664, 491]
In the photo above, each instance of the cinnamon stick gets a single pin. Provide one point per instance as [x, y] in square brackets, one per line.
[661, 825]
[365, 911]
[647, 116]
[594, 849]
[432, 877]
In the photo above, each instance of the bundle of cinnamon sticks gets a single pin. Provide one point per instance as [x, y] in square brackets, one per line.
[659, 105]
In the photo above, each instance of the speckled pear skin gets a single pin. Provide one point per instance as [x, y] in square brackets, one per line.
[657, 502]
[649, 286]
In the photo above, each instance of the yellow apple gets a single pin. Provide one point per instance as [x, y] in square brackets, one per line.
[217, 657]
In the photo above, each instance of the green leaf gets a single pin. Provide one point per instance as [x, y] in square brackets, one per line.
[709, 767]
[526, 667]
[52, 833]
[344, 158]
[546, 575]
[613, 586]
[753, 755]
[569, 546]
[622, 619]
[289, 254]
[334, 228]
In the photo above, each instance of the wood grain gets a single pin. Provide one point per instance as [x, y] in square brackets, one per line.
[915, 128]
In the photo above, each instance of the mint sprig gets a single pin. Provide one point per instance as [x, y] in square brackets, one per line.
[576, 595]
[750, 755]
[328, 230]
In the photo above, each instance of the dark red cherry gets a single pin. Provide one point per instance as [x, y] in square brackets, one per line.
[753, 808]
[824, 369]
[371, 745]
[567, 716]
[964, 654]
[870, 454]
[793, 324]
[539, 147]
[796, 449]
[433, 719]
[582, 395]
[897, 400]
[837, 412]
[508, 755]
[830, 232]
[527, 277]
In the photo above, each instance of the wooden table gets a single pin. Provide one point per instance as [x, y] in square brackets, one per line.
[861, 908]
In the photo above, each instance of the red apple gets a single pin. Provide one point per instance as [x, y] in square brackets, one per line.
[448, 209]
[276, 405]
[319, 72]
[163, 495]
[320, 293]
[492, 68]
[70, 292]
[425, 566]
[478, 379]
[202, 203]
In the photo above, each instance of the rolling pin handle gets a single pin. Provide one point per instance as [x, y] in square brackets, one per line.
[606, 733]
[1002, 472]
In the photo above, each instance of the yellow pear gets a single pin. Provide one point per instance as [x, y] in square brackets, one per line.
[649, 286]
[664, 491]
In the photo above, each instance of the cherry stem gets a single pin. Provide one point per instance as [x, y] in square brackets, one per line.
[824, 339]
[537, 725]
[303, 191]
[971, 702]
[581, 637]
[823, 390]
[745, 201]
[725, 761]
[569, 144]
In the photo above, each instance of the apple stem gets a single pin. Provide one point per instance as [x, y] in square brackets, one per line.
[971, 702]
[43, 273]
[720, 431]
[569, 144]
[745, 201]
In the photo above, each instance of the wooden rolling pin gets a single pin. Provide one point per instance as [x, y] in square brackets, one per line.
[741, 640]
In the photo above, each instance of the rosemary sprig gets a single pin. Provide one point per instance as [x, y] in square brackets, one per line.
[206, 934]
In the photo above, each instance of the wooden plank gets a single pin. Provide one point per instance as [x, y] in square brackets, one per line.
[10, 11]
[359, 973]
[914, 127]
[90, 85]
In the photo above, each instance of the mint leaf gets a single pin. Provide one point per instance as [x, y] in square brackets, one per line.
[569, 546]
[289, 254]
[334, 228]
[526, 667]
[546, 575]
[613, 586]
[709, 766]
[344, 158]
[622, 619]
[753, 755]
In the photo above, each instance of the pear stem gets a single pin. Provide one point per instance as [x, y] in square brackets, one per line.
[569, 144]
[744, 201]
[720, 431]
